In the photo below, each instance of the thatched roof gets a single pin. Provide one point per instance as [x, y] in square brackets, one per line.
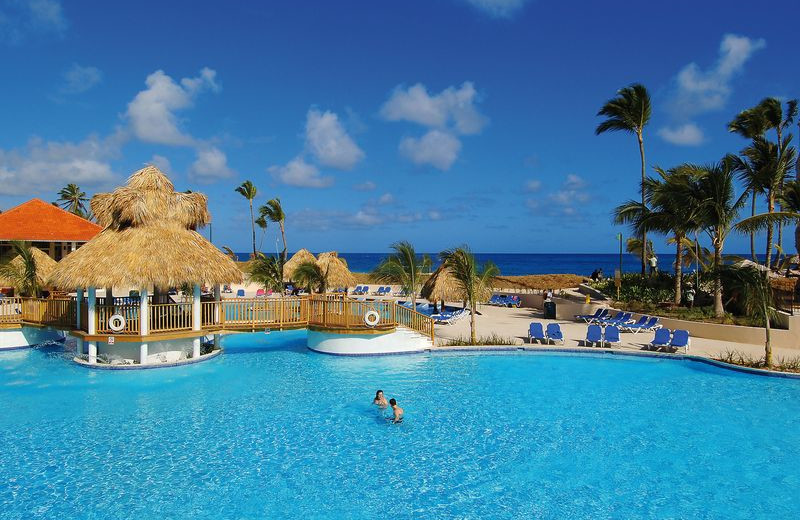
[335, 270]
[44, 266]
[149, 239]
[300, 257]
[442, 286]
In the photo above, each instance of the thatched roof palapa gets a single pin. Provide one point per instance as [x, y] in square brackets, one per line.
[335, 270]
[442, 286]
[149, 238]
[300, 257]
[44, 266]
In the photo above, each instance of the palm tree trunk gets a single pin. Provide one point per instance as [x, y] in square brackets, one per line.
[644, 233]
[767, 344]
[780, 188]
[719, 310]
[473, 338]
[283, 237]
[752, 234]
[678, 267]
[770, 209]
[253, 226]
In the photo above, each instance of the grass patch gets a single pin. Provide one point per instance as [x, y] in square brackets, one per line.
[494, 339]
[743, 359]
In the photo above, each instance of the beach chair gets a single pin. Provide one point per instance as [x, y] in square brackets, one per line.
[515, 301]
[661, 339]
[589, 317]
[632, 326]
[611, 335]
[535, 332]
[554, 334]
[680, 339]
[594, 334]
[261, 293]
[240, 293]
[651, 324]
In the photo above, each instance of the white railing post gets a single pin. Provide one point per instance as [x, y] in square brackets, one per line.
[91, 319]
[196, 348]
[217, 298]
[78, 304]
[144, 316]
[197, 321]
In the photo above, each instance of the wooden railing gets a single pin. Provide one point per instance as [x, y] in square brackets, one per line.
[414, 320]
[129, 312]
[10, 311]
[170, 317]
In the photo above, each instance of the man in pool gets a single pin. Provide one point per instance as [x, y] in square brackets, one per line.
[397, 418]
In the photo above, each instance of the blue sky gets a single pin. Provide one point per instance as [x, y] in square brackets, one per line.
[440, 121]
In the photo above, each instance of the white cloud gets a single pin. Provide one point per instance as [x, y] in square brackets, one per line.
[211, 165]
[499, 8]
[365, 186]
[152, 111]
[329, 143]
[533, 185]
[437, 148]
[79, 79]
[699, 91]
[574, 182]
[44, 166]
[298, 172]
[688, 134]
[386, 198]
[162, 163]
[20, 19]
[451, 107]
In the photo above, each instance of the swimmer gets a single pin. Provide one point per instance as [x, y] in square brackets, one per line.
[380, 400]
[398, 412]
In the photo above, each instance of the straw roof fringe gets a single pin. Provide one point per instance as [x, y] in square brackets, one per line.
[442, 286]
[335, 270]
[149, 240]
[300, 257]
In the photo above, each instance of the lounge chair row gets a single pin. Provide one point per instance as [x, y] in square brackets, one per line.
[551, 334]
[662, 340]
[622, 320]
[505, 300]
[448, 318]
[381, 291]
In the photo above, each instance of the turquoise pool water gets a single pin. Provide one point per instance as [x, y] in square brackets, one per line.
[270, 430]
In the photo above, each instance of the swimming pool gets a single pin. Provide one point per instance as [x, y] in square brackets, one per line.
[271, 429]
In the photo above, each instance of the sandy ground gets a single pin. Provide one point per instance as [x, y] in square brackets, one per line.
[514, 323]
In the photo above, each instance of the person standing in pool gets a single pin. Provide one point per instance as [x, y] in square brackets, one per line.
[397, 418]
[380, 400]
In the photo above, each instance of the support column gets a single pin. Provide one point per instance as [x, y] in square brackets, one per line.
[196, 310]
[73, 247]
[217, 299]
[143, 354]
[79, 347]
[92, 352]
[216, 341]
[91, 320]
[196, 348]
[144, 314]
[109, 296]
[78, 305]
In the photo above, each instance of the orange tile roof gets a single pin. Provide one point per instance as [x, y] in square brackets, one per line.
[37, 220]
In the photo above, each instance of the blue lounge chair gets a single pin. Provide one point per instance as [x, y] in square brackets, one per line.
[240, 293]
[379, 292]
[661, 339]
[610, 319]
[494, 300]
[611, 335]
[589, 317]
[554, 333]
[639, 323]
[387, 291]
[603, 315]
[680, 339]
[535, 332]
[594, 334]
[651, 324]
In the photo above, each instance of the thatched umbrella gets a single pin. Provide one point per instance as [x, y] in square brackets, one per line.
[149, 239]
[441, 286]
[335, 270]
[44, 267]
[300, 257]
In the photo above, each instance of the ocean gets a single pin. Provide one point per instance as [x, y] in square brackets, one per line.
[525, 263]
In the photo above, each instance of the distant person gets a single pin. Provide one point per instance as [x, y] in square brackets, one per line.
[380, 400]
[600, 274]
[397, 418]
[653, 264]
[594, 275]
[690, 296]
[549, 295]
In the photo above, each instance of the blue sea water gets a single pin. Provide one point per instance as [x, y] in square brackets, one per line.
[272, 430]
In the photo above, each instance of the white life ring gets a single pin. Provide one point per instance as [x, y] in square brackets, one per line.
[372, 318]
[116, 322]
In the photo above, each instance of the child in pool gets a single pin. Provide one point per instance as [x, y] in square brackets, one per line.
[397, 418]
[380, 400]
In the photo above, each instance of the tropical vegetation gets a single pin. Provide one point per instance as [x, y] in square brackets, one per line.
[249, 191]
[21, 272]
[74, 200]
[473, 281]
[404, 268]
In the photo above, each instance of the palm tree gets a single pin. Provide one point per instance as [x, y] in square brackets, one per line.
[72, 199]
[789, 200]
[629, 112]
[262, 223]
[273, 211]
[754, 183]
[712, 191]
[248, 190]
[403, 268]
[310, 275]
[755, 294]
[229, 253]
[265, 270]
[22, 274]
[473, 282]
